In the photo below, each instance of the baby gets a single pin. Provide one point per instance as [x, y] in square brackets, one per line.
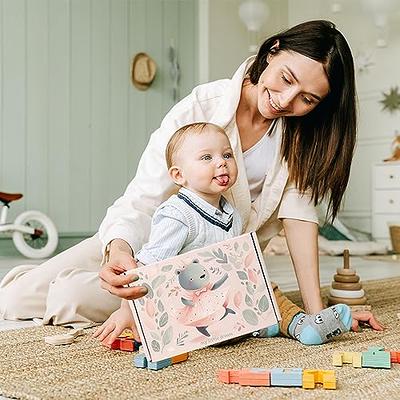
[200, 161]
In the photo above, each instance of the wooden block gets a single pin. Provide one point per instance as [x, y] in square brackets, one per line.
[287, 377]
[337, 359]
[351, 302]
[254, 377]
[366, 307]
[347, 272]
[346, 286]
[357, 360]
[325, 377]
[179, 358]
[347, 294]
[346, 278]
[395, 357]
[228, 375]
[376, 357]
[140, 361]
[157, 365]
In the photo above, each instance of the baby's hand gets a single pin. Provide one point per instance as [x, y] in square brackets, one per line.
[366, 317]
[117, 322]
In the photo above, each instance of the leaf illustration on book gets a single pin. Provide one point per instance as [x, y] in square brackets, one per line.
[163, 320]
[155, 345]
[236, 246]
[245, 246]
[141, 301]
[180, 340]
[250, 316]
[248, 300]
[250, 288]
[263, 304]
[220, 256]
[158, 281]
[167, 336]
[155, 335]
[167, 268]
[242, 275]
[160, 306]
[249, 259]
[226, 267]
[150, 292]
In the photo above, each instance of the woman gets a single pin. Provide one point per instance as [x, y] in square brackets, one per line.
[290, 116]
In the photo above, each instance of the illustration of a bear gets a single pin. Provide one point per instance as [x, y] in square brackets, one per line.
[205, 303]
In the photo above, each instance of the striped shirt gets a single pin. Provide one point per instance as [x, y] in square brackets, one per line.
[186, 222]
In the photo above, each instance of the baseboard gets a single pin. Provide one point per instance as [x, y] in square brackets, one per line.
[65, 241]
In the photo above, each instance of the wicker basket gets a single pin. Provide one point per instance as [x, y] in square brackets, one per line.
[395, 237]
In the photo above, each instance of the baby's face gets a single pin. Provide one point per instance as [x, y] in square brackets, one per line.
[206, 162]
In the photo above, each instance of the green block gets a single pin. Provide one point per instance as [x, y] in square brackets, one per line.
[376, 357]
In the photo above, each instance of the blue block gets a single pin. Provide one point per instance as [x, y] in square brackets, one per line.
[140, 361]
[376, 357]
[287, 377]
[156, 365]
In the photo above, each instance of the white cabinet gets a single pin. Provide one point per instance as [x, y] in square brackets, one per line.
[385, 199]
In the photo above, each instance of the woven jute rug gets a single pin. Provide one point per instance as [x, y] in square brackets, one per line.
[30, 369]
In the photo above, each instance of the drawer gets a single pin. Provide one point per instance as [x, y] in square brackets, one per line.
[386, 201]
[380, 224]
[387, 176]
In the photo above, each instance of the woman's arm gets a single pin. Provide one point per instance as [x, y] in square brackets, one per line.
[302, 240]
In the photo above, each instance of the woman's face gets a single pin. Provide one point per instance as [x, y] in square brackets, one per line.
[292, 85]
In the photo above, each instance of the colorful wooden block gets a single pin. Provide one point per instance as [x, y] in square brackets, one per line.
[313, 376]
[347, 357]
[157, 365]
[254, 377]
[395, 357]
[179, 358]
[376, 357]
[287, 377]
[140, 361]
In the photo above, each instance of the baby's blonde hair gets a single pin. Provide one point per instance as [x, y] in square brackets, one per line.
[176, 140]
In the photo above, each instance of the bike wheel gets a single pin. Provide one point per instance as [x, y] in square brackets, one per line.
[43, 242]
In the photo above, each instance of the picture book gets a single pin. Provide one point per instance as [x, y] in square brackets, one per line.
[203, 297]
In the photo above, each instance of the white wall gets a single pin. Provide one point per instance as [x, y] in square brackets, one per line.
[229, 39]
[376, 127]
[72, 126]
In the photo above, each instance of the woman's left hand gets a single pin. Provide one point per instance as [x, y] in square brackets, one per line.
[365, 317]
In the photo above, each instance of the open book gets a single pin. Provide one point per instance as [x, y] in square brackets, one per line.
[203, 297]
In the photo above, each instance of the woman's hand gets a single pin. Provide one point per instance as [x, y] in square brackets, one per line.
[365, 317]
[111, 274]
[118, 321]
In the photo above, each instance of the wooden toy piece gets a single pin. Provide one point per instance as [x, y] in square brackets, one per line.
[287, 377]
[346, 286]
[346, 270]
[124, 343]
[376, 357]
[254, 377]
[347, 294]
[365, 307]
[64, 338]
[140, 361]
[346, 278]
[347, 357]
[313, 376]
[395, 357]
[228, 375]
[157, 365]
[350, 302]
[126, 334]
[179, 358]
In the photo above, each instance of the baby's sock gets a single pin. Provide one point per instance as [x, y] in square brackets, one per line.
[319, 328]
[271, 331]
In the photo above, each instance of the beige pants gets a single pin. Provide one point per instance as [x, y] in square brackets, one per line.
[64, 290]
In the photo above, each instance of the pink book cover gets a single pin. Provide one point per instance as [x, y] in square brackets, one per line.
[204, 297]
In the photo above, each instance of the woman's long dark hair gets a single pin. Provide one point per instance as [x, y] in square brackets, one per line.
[318, 147]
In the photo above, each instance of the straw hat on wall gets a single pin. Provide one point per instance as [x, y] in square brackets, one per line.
[143, 71]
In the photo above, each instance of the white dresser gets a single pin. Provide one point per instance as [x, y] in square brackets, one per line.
[385, 199]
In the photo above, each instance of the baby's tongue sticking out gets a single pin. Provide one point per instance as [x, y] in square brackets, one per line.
[222, 179]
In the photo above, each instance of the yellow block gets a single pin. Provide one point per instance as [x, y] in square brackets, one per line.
[179, 358]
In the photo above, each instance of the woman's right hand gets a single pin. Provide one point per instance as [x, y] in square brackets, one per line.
[111, 274]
